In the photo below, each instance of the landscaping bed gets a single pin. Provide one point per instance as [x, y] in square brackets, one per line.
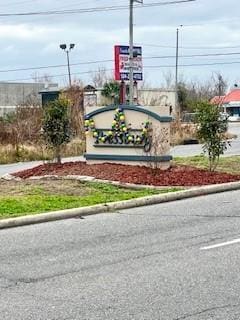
[177, 175]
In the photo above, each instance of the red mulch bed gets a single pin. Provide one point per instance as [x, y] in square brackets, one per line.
[175, 176]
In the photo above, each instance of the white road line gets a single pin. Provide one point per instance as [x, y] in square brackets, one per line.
[223, 244]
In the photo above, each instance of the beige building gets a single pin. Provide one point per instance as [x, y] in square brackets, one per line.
[146, 97]
[157, 97]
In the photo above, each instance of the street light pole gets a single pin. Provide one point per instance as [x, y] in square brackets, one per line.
[67, 50]
[69, 72]
[176, 73]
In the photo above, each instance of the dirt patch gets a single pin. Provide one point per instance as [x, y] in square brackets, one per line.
[40, 187]
[175, 176]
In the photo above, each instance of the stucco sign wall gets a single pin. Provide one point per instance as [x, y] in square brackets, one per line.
[127, 134]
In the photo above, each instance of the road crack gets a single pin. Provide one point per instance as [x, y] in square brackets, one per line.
[206, 310]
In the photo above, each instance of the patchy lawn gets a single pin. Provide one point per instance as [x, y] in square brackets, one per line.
[19, 198]
[226, 164]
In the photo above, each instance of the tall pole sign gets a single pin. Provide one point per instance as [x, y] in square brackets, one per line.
[122, 63]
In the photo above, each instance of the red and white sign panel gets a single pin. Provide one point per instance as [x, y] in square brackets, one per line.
[121, 54]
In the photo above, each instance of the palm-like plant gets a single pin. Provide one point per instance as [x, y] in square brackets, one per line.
[111, 90]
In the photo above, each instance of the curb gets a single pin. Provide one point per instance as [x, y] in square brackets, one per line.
[120, 205]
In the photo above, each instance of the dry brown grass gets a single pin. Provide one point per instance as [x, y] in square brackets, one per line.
[11, 154]
[182, 131]
[74, 148]
[38, 151]
[20, 133]
[41, 187]
[75, 95]
[229, 135]
[20, 127]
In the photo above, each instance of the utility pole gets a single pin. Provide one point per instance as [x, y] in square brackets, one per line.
[131, 49]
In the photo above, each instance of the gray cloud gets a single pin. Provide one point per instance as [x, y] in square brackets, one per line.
[33, 41]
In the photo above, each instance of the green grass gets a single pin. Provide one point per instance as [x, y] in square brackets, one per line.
[39, 200]
[226, 164]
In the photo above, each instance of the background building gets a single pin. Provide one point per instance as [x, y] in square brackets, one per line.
[230, 104]
[146, 97]
[14, 94]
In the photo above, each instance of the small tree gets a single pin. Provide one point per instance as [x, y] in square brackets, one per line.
[211, 130]
[56, 125]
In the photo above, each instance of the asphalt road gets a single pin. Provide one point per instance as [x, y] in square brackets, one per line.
[14, 167]
[196, 149]
[156, 262]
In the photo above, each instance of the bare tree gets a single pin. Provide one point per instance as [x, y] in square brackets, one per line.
[160, 140]
[168, 78]
[42, 78]
[194, 91]
[219, 84]
[20, 128]
[31, 100]
[100, 77]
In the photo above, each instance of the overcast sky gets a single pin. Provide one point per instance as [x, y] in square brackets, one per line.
[209, 27]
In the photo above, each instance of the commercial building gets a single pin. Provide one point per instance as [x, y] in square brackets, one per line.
[14, 94]
[230, 104]
[145, 97]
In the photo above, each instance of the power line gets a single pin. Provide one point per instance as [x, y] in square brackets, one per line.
[56, 66]
[195, 55]
[146, 67]
[75, 4]
[111, 60]
[90, 10]
[16, 3]
[58, 75]
[222, 21]
[194, 64]
[189, 47]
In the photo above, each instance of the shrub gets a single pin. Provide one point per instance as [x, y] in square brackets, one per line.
[211, 131]
[56, 125]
